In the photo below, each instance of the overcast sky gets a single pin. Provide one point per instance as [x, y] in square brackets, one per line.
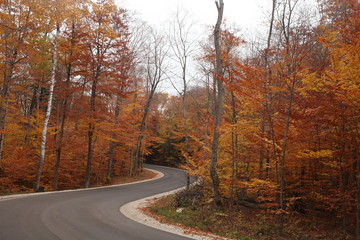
[247, 14]
[250, 16]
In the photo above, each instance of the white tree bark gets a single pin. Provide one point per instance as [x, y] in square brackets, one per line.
[48, 112]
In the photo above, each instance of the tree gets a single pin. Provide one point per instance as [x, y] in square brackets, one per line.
[125, 66]
[48, 111]
[155, 68]
[218, 104]
[17, 24]
[70, 49]
[268, 95]
[102, 44]
[183, 49]
[57, 24]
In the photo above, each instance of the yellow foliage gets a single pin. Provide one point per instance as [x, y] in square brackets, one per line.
[313, 82]
[308, 154]
[331, 164]
[256, 184]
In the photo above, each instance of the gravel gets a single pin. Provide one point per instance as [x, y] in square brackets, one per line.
[133, 211]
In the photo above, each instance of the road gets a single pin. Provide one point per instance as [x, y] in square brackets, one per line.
[85, 215]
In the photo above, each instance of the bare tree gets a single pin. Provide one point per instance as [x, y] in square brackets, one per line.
[156, 73]
[267, 102]
[183, 49]
[218, 104]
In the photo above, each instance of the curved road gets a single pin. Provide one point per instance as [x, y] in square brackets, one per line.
[85, 215]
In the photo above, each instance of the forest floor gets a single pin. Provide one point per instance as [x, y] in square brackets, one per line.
[244, 223]
[144, 175]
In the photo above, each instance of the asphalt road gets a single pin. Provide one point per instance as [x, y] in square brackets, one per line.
[85, 215]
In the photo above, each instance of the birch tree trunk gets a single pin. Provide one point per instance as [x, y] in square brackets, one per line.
[218, 106]
[48, 112]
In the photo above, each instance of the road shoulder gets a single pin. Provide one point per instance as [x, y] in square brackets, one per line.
[133, 210]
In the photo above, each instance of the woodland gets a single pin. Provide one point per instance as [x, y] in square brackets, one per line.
[270, 124]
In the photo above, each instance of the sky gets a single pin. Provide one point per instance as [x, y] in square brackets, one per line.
[249, 15]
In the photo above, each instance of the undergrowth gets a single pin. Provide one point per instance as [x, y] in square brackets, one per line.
[193, 209]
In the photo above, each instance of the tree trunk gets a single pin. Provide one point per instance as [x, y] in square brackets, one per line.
[234, 146]
[137, 163]
[59, 143]
[4, 99]
[64, 105]
[113, 143]
[262, 146]
[48, 112]
[111, 159]
[132, 150]
[218, 106]
[91, 129]
[283, 156]
[90, 153]
[155, 72]
[185, 125]
[182, 50]
[290, 73]
[11, 55]
[3, 126]
[186, 140]
[30, 113]
[59, 147]
[357, 190]
[267, 95]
